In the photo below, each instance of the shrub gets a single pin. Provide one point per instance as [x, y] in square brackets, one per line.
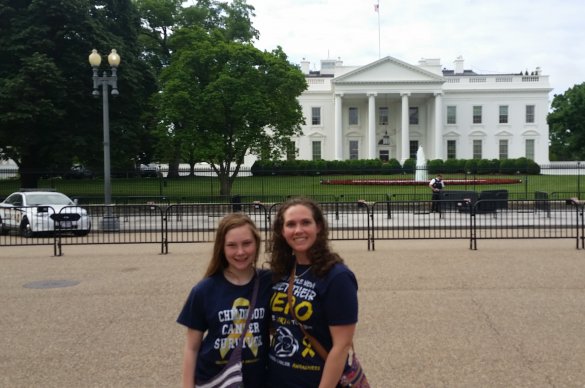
[508, 166]
[409, 166]
[471, 166]
[436, 166]
[484, 166]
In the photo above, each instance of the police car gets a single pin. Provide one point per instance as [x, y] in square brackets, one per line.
[42, 212]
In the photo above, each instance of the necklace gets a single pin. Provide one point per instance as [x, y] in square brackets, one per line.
[304, 272]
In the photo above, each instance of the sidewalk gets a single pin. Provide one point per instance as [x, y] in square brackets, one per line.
[432, 314]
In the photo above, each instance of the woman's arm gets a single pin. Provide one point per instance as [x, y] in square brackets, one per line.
[190, 351]
[342, 339]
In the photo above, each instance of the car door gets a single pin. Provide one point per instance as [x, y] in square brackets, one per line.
[12, 210]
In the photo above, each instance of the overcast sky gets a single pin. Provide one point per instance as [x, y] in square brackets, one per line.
[492, 36]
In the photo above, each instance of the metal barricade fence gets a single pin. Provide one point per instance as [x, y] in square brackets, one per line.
[360, 220]
[190, 223]
[527, 219]
[404, 220]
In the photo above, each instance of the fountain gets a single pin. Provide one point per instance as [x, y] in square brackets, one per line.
[421, 166]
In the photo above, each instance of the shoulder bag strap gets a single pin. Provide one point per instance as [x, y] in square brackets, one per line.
[237, 353]
[314, 342]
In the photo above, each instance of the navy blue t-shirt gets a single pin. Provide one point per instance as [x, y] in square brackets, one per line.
[319, 303]
[219, 308]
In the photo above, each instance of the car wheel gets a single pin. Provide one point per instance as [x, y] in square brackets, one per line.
[3, 230]
[25, 230]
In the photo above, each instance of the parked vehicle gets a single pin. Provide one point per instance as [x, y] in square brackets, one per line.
[79, 171]
[149, 171]
[42, 212]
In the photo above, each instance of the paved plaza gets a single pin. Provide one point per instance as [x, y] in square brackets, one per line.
[432, 313]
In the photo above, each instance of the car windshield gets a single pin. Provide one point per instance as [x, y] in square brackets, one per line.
[47, 199]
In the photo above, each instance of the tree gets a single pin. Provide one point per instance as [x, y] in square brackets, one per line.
[47, 114]
[230, 99]
[160, 18]
[567, 125]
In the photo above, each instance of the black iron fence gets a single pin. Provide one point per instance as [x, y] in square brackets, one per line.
[464, 219]
[203, 186]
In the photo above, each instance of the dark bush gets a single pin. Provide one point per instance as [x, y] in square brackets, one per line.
[436, 166]
[408, 166]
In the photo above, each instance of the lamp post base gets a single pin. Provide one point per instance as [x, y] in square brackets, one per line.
[110, 224]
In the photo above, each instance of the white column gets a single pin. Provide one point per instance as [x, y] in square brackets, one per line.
[372, 125]
[405, 122]
[338, 136]
[439, 126]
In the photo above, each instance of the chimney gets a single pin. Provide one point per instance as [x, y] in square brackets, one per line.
[305, 66]
[458, 65]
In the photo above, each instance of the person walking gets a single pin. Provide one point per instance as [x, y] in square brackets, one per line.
[315, 294]
[218, 308]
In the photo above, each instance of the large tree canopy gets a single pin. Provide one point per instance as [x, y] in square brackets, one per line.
[47, 114]
[567, 125]
[160, 19]
[229, 99]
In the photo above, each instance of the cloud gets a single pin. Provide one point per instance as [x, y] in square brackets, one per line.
[493, 36]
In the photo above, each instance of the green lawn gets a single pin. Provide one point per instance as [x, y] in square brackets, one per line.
[275, 188]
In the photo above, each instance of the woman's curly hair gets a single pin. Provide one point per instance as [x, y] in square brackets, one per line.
[281, 255]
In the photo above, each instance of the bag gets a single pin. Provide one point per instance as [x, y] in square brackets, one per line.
[231, 375]
[354, 376]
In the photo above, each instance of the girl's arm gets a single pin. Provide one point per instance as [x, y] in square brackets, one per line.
[190, 351]
[342, 339]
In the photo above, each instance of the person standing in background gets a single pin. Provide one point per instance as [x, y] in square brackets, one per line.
[437, 185]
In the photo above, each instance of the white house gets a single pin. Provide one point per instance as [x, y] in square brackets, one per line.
[388, 108]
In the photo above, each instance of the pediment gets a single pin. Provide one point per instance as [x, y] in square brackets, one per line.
[504, 134]
[317, 134]
[531, 133]
[388, 70]
[477, 133]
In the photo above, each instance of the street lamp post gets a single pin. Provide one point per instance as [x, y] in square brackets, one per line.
[109, 222]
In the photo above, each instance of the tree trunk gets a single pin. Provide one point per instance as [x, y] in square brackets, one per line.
[225, 184]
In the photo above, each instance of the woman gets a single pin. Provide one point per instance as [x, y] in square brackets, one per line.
[219, 305]
[324, 300]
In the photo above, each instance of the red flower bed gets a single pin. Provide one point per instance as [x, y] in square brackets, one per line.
[412, 182]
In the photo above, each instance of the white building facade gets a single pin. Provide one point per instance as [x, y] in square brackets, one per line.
[388, 108]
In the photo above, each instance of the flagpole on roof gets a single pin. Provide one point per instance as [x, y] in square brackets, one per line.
[378, 11]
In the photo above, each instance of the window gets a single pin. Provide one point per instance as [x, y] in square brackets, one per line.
[503, 114]
[353, 116]
[530, 149]
[384, 155]
[477, 149]
[291, 151]
[477, 114]
[530, 114]
[451, 114]
[451, 149]
[413, 148]
[353, 150]
[413, 115]
[316, 150]
[503, 149]
[383, 115]
[316, 115]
